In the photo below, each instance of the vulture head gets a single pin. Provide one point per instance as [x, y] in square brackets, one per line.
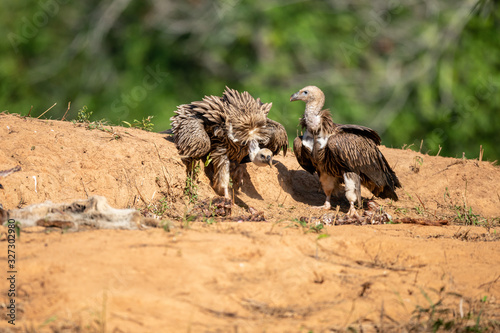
[260, 157]
[309, 94]
[315, 99]
[263, 158]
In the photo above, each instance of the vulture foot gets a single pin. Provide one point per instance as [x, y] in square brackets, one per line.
[352, 212]
[326, 206]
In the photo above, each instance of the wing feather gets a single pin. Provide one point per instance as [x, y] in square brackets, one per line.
[190, 135]
[278, 138]
[360, 130]
[303, 155]
[349, 152]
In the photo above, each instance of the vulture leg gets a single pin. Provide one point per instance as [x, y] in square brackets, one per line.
[328, 183]
[237, 173]
[320, 188]
[221, 179]
[352, 191]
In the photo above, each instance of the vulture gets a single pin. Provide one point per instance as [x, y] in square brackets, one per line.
[226, 132]
[341, 153]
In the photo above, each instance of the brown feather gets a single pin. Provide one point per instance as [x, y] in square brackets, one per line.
[349, 149]
[327, 124]
[358, 153]
[222, 127]
[277, 139]
[303, 155]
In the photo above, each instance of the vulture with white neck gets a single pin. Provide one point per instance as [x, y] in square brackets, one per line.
[227, 131]
[341, 153]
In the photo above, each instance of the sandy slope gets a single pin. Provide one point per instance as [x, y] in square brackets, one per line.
[271, 276]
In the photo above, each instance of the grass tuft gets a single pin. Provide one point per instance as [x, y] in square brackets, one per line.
[191, 188]
[145, 124]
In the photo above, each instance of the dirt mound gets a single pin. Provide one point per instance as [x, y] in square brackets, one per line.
[280, 274]
[62, 161]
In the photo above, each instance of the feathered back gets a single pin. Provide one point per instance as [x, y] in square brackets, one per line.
[235, 118]
[246, 117]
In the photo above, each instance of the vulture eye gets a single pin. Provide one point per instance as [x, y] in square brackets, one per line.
[305, 92]
[261, 155]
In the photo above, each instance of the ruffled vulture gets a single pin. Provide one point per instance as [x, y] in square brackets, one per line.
[228, 130]
[341, 153]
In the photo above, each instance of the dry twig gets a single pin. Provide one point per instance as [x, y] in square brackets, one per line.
[69, 105]
[46, 111]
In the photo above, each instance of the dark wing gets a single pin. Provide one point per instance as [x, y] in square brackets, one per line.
[303, 155]
[190, 136]
[278, 138]
[355, 150]
[360, 130]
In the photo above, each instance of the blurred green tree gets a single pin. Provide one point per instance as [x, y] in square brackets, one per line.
[411, 70]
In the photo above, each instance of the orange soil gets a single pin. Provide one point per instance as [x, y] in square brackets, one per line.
[271, 276]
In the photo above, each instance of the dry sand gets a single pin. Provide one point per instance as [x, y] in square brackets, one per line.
[214, 275]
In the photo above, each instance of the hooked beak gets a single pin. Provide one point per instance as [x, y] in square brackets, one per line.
[269, 161]
[294, 97]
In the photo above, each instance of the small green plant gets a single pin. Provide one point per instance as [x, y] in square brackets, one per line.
[401, 210]
[463, 213]
[418, 161]
[298, 223]
[48, 321]
[321, 236]
[144, 124]
[316, 228]
[210, 220]
[301, 223]
[419, 210]
[191, 188]
[438, 317]
[100, 126]
[187, 218]
[166, 225]
[161, 207]
[466, 216]
[208, 160]
[83, 115]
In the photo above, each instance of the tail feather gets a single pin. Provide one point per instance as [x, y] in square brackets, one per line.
[388, 193]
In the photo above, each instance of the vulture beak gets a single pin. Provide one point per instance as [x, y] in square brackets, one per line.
[294, 97]
[269, 161]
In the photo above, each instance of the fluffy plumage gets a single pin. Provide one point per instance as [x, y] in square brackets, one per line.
[229, 129]
[341, 153]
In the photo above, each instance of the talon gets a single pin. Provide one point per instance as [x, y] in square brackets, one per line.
[326, 206]
[353, 212]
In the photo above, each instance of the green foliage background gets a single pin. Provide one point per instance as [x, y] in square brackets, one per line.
[412, 70]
